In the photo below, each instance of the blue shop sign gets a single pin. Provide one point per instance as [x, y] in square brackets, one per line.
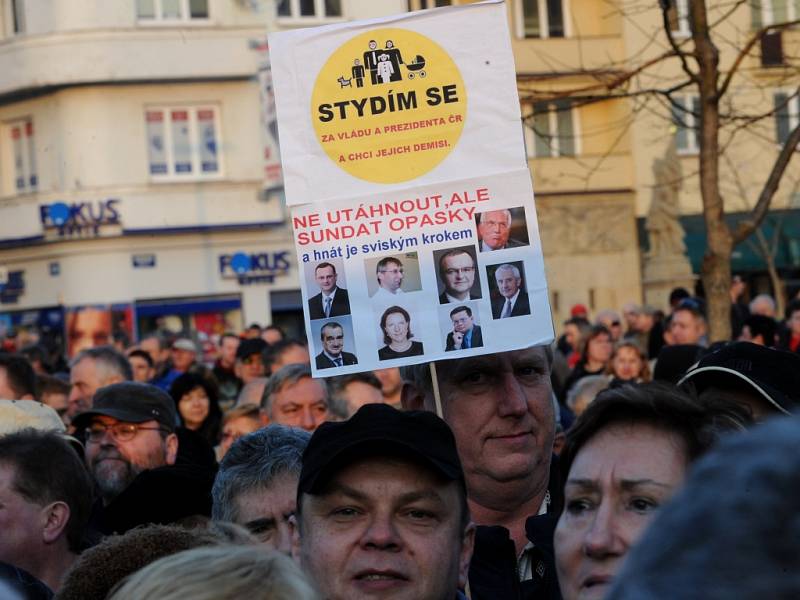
[257, 267]
[79, 219]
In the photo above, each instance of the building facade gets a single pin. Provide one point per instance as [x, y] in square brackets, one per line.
[137, 178]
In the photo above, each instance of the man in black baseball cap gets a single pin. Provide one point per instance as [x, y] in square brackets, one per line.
[765, 380]
[381, 508]
[129, 429]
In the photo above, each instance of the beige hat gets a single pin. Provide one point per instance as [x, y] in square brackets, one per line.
[184, 344]
[21, 414]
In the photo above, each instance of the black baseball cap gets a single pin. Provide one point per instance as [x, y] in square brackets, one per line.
[774, 374]
[131, 402]
[249, 347]
[375, 430]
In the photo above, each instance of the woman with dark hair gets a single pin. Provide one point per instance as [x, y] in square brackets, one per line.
[197, 402]
[624, 457]
[396, 327]
[594, 357]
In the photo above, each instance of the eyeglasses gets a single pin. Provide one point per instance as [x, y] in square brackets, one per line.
[393, 271]
[122, 432]
[464, 271]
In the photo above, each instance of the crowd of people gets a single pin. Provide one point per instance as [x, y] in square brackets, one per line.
[143, 472]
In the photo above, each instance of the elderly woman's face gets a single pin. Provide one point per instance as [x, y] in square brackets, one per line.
[396, 327]
[616, 483]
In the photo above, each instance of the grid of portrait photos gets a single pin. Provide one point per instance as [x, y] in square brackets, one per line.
[476, 284]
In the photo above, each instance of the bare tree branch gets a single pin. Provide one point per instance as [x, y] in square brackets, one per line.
[747, 227]
[675, 48]
[746, 50]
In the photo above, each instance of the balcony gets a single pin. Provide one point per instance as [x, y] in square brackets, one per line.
[108, 56]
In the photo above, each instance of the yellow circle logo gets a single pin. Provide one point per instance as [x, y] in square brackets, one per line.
[388, 106]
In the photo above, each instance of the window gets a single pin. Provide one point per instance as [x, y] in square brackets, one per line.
[19, 153]
[686, 117]
[183, 141]
[171, 10]
[540, 18]
[425, 4]
[305, 9]
[17, 16]
[553, 130]
[771, 12]
[678, 14]
[787, 114]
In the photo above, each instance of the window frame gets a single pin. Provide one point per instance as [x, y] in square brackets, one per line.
[792, 113]
[544, 21]
[13, 19]
[688, 122]
[319, 16]
[682, 17]
[8, 158]
[552, 117]
[185, 18]
[197, 173]
[763, 12]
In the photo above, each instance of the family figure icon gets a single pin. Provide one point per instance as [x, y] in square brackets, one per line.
[382, 66]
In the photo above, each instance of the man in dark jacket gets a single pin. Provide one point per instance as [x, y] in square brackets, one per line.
[333, 354]
[132, 453]
[500, 409]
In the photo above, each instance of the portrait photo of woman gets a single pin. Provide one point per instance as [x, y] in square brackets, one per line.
[396, 327]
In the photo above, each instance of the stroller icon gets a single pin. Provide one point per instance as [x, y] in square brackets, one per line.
[416, 67]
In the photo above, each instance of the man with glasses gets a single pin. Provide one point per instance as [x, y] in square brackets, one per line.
[465, 333]
[132, 454]
[389, 272]
[130, 429]
[457, 273]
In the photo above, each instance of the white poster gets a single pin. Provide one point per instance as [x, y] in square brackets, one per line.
[440, 271]
[273, 178]
[386, 104]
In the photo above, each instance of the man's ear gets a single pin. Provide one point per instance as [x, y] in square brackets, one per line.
[467, 546]
[262, 414]
[116, 378]
[411, 398]
[55, 517]
[172, 448]
[294, 530]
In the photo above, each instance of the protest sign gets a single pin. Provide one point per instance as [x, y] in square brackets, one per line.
[412, 204]
[396, 102]
[442, 271]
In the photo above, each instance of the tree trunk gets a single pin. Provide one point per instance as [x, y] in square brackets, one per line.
[717, 280]
[719, 242]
